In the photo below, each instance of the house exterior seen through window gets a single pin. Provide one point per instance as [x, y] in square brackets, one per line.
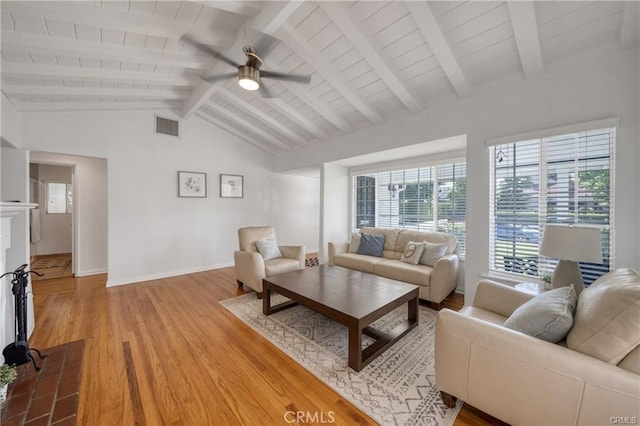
[565, 179]
[424, 199]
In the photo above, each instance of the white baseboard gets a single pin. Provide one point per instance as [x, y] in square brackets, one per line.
[91, 272]
[167, 274]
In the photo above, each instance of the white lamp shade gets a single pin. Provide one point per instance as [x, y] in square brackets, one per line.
[576, 243]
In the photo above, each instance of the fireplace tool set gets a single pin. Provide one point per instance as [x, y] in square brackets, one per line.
[19, 352]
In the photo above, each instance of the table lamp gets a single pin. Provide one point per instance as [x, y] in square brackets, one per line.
[571, 244]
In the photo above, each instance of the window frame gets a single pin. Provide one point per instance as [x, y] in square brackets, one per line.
[543, 169]
[397, 168]
[68, 198]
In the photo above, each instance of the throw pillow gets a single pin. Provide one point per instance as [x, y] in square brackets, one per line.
[412, 252]
[432, 252]
[354, 244]
[371, 245]
[548, 316]
[607, 323]
[268, 249]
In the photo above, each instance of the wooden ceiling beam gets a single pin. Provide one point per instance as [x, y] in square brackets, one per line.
[36, 44]
[525, 29]
[432, 32]
[243, 122]
[354, 31]
[265, 118]
[92, 14]
[97, 106]
[94, 74]
[205, 115]
[313, 57]
[65, 91]
[300, 119]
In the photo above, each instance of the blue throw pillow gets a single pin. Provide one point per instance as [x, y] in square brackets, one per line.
[371, 245]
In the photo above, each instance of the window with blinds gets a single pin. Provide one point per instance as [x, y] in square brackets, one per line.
[424, 199]
[564, 179]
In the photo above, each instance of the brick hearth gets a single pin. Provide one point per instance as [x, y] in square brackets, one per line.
[48, 396]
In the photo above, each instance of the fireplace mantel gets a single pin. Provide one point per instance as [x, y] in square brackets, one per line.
[14, 251]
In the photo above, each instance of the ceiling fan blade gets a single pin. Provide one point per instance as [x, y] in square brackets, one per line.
[289, 77]
[214, 78]
[265, 92]
[207, 49]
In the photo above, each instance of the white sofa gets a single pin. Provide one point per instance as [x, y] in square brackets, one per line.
[525, 380]
[436, 282]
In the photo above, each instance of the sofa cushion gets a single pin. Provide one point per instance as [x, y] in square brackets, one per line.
[359, 262]
[280, 265]
[548, 316]
[401, 271]
[432, 252]
[412, 252]
[631, 362]
[406, 235]
[607, 322]
[354, 244]
[268, 249]
[371, 245]
[390, 239]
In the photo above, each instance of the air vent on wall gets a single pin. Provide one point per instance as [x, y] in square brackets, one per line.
[165, 126]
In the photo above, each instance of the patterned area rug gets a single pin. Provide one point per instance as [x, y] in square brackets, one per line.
[397, 388]
[53, 266]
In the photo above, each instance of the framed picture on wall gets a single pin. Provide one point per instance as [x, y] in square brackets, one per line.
[192, 185]
[231, 186]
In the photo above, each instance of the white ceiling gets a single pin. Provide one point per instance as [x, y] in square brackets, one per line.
[369, 61]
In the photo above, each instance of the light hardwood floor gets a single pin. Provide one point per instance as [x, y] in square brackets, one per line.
[165, 351]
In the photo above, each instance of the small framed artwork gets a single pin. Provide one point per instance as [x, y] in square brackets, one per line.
[192, 184]
[231, 186]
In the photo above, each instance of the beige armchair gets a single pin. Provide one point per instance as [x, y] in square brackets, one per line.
[251, 268]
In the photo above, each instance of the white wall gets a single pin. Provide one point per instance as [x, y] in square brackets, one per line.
[335, 206]
[9, 123]
[595, 88]
[14, 175]
[90, 209]
[151, 232]
[55, 229]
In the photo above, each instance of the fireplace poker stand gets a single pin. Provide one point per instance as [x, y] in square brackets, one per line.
[19, 352]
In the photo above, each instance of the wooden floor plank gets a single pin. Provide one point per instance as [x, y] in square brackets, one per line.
[193, 361]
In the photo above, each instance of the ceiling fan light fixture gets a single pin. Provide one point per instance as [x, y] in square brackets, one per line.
[248, 77]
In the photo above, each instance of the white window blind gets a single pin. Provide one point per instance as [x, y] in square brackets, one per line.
[59, 198]
[424, 198]
[560, 179]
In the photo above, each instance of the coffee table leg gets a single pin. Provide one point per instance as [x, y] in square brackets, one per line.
[355, 347]
[413, 311]
[266, 300]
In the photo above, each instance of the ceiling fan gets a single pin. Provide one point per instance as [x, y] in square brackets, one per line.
[249, 74]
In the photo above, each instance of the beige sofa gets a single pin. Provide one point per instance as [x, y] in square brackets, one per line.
[525, 380]
[436, 282]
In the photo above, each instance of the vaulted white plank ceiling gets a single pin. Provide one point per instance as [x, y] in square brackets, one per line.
[369, 61]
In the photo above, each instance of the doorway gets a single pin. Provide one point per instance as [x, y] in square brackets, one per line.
[52, 188]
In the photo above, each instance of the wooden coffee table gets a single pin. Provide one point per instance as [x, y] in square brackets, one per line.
[352, 298]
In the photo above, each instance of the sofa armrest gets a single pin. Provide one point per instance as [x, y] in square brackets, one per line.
[499, 298]
[249, 268]
[337, 248]
[510, 375]
[444, 277]
[294, 252]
